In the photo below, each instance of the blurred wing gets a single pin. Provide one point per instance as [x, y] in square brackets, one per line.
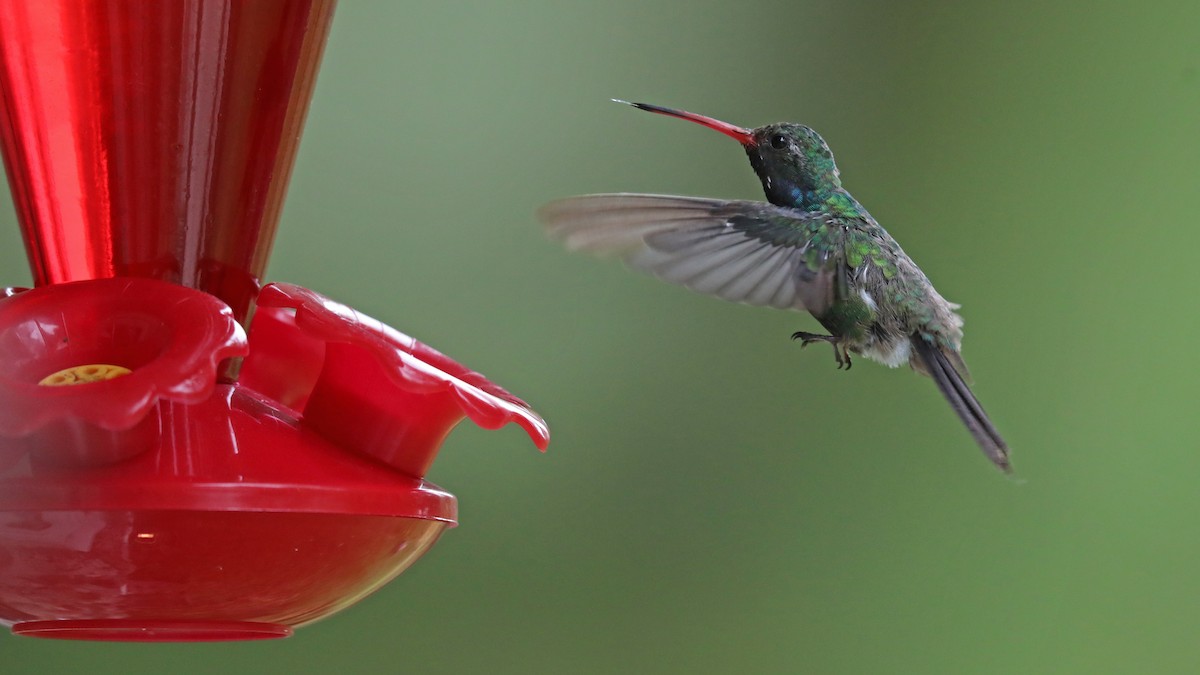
[750, 252]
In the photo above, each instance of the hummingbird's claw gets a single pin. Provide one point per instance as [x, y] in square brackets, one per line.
[844, 355]
[841, 352]
[809, 338]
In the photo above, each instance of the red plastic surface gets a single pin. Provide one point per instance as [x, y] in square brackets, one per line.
[367, 386]
[126, 630]
[236, 450]
[237, 523]
[155, 139]
[172, 338]
[187, 575]
[238, 518]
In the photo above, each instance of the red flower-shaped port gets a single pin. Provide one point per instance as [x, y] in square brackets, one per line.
[166, 340]
[367, 386]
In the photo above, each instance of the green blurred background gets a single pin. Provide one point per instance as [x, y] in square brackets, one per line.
[715, 500]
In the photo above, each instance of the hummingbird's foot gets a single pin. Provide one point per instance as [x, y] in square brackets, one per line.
[841, 351]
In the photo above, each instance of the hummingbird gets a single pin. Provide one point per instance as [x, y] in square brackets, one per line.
[810, 247]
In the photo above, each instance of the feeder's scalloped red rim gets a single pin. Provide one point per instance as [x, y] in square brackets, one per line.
[409, 364]
[203, 333]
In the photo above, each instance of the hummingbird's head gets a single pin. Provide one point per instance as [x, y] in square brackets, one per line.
[792, 161]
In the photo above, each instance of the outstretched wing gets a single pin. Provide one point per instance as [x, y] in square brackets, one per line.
[744, 251]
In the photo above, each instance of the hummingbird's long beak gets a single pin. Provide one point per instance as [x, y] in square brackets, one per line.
[743, 136]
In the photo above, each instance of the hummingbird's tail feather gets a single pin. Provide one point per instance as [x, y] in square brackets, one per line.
[954, 387]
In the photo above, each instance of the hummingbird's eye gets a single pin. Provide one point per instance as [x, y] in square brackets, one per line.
[779, 141]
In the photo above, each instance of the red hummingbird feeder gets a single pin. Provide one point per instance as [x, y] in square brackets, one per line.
[171, 469]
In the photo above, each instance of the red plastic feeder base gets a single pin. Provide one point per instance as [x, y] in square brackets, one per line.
[222, 513]
[122, 630]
